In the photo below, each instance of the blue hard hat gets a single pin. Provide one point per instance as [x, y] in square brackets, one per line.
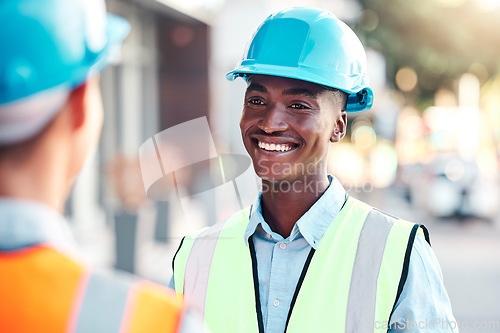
[52, 43]
[313, 45]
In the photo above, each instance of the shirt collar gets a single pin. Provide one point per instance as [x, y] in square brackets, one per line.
[312, 225]
[26, 223]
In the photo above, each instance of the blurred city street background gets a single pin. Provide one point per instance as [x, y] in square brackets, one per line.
[428, 151]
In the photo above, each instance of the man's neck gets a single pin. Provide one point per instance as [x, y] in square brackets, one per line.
[282, 206]
[37, 176]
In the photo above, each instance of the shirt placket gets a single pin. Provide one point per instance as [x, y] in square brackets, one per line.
[279, 299]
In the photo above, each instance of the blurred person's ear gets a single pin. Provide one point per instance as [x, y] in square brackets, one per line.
[76, 106]
[85, 105]
[84, 117]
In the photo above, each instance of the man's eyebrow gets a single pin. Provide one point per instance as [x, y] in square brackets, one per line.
[299, 91]
[256, 87]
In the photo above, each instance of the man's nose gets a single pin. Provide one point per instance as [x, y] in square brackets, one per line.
[273, 119]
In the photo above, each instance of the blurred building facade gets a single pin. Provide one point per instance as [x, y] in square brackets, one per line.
[160, 79]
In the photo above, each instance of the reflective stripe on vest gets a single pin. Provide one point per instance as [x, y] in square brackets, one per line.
[352, 282]
[100, 292]
[45, 291]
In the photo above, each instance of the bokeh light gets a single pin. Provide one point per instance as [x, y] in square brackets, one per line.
[369, 20]
[383, 165]
[406, 79]
[364, 138]
[450, 3]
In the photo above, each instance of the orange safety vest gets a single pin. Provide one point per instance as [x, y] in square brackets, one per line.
[43, 290]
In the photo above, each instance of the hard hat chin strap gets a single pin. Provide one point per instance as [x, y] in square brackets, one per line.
[22, 119]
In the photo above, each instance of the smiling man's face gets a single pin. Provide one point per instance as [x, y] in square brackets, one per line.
[287, 125]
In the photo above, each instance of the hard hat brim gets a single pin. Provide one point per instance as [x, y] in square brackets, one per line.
[117, 29]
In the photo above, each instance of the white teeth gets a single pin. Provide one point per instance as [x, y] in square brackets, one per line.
[275, 146]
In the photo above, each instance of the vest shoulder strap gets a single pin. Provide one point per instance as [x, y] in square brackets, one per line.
[360, 263]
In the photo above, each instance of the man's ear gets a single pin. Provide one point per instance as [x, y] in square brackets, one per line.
[340, 127]
[76, 102]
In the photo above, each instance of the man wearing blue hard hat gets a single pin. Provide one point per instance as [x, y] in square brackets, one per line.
[51, 53]
[306, 256]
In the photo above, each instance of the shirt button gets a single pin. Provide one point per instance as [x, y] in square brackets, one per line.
[276, 302]
[268, 236]
[283, 246]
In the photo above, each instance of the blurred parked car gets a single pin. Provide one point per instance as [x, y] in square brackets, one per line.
[451, 186]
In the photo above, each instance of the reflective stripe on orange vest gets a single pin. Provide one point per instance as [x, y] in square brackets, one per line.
[42, 290]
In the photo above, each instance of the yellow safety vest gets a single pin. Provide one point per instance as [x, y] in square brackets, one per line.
[349, 284]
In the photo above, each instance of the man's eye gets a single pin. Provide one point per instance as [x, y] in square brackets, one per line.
[256, 101]
[298, 106]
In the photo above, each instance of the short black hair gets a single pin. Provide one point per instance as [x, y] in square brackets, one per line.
[340, 93]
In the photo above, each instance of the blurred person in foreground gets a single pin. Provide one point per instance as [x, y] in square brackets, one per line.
[50, 119]
[307, 256]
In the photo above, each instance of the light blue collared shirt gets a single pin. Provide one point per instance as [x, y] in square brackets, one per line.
[423, 303]
[25, 223]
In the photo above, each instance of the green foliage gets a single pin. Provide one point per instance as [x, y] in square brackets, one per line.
[439, 42]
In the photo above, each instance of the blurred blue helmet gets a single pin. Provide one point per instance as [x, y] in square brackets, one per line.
[312, 45]
[53, 43]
